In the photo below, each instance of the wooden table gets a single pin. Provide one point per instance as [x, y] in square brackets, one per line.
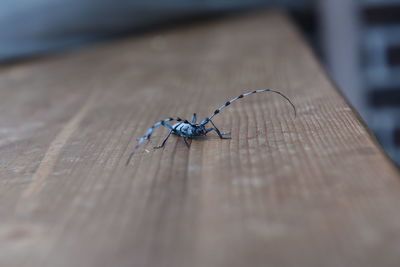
[315, 190]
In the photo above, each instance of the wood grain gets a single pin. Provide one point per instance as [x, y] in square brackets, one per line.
[315, 190]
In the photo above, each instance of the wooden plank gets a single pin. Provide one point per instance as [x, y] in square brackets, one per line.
[315, 190]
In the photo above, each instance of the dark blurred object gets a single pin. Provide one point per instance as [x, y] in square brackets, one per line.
[384, 97]
[397, 137]
[393, 55]
[361, 48]
[380, 48]
[381, 12]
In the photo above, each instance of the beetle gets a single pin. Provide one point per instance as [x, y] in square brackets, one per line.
[193, 129]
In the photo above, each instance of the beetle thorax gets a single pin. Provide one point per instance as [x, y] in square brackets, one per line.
[189, 130]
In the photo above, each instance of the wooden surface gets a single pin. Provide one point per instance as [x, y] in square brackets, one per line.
[315, 190]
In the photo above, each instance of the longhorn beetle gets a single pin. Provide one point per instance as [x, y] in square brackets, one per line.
[194, 129]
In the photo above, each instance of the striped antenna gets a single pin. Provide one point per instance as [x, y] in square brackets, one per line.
[206, 120]
[148, 134]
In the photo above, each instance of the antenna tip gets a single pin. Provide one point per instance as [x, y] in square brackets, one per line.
[130, 157]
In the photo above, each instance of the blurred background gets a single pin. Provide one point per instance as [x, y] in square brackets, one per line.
[358, 41]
